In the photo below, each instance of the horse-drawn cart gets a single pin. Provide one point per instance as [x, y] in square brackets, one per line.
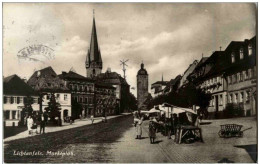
[230, 130]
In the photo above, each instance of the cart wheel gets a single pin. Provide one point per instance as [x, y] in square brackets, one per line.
[221, 133]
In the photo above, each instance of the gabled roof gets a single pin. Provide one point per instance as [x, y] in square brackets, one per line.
[172, 82]
[201, 62]
[74, 76]
[14, 85]
[161, 82]
[111, 78]
[47, 80]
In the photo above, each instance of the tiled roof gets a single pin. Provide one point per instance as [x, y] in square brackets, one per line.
[111, 78]
[75, 76]
[14, 85]
[47, 80]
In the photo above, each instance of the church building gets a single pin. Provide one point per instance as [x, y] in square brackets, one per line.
[94, 62]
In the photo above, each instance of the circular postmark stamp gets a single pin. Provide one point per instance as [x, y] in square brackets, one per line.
[36, 53]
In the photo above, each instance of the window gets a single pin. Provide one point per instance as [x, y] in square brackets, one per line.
[250, 50]
[48, 97]
[249, 73]
[65, 97]
[241, 97]
[246, 74]
[238, 77]
[233, 57]
[236, 97]
[81, 88]
[7, 114]
[5, 99]
[220, 100]
[35, 100]
[213, 102]
[229, 79]
[247, 96]
[58, 96]
[70, 86]
[241, 52]
[86, 100]
[230, 98]
[18, 100]
[14, 115]
[12, 100]
[234, 79]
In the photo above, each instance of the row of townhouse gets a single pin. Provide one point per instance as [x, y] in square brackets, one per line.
[68, 88]
[230, 76]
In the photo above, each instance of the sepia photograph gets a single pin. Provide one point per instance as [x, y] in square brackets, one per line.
[129, 82]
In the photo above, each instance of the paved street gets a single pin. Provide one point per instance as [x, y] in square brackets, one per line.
[114, 142]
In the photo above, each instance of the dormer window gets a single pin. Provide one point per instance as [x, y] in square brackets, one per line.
[241, 52]
[250, 49]
[233, 57]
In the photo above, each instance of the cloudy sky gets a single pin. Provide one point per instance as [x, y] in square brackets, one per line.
[166, 37]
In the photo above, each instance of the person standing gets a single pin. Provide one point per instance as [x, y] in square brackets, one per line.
[29, 124]
[152, 131]
[139, 128]
[42, 124]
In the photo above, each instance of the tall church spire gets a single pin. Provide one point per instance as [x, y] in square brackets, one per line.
[93, 61]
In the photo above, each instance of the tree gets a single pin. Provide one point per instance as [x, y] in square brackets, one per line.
[27, 108]
[76, 109]
[53, 108]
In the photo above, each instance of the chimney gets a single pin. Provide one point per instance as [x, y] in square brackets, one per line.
[109, 70]
[24, 79]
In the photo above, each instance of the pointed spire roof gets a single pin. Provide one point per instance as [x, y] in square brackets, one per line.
[94, 52]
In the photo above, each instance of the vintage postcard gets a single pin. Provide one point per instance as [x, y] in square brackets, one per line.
[129, 82]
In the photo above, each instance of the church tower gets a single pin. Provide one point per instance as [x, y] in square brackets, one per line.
[93, 61]
[142, 86]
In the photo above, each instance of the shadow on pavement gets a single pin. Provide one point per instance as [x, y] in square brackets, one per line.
[157, 142]
[205, 123]
[250, 149]
[225, 160]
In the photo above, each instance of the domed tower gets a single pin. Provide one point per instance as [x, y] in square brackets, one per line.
[142, 86]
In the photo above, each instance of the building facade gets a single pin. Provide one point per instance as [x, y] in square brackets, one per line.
[93, 62]
[230, 77]
[15, 93]
[158, 87]
[122, 88]
[82, 93]
[105, 100]
[142, 86]
[47, 82]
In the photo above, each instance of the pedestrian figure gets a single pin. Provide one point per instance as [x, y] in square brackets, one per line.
[139, 128]
[42, 124]
[29, 124]
[152, 131]
[92, 119]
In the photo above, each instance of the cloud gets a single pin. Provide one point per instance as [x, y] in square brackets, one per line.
[167, 37]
